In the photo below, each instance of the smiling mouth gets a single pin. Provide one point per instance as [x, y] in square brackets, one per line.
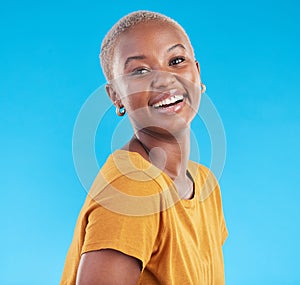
[171, 101]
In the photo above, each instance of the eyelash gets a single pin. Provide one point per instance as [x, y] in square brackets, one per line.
[139, 70]
[174, 61]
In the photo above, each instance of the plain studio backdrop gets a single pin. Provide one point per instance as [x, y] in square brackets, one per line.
[249, 55]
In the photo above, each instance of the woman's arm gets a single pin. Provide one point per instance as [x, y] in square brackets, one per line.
[108, 267]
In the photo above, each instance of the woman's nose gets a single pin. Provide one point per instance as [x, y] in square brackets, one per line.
[162, 79]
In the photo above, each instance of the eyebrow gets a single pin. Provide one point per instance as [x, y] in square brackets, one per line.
[175, 46]
[136, 57]
[139, 57]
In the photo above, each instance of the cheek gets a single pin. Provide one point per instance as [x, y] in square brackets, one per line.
[130, 90]
[135, 101]
[192, 76]
[191, 81]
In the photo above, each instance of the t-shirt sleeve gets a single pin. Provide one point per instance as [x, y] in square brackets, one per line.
[134, 236]
[110, 227]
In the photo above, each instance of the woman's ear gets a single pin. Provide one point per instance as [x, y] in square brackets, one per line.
[112, 94]
[198, 66]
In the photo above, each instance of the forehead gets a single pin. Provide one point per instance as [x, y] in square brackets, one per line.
[146, 37]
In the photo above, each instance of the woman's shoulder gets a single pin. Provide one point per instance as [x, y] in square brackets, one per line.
[200, 170]
[204, 179]
[125, 182]
[131, 166]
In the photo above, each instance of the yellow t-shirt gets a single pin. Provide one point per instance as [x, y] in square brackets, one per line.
[133, 207]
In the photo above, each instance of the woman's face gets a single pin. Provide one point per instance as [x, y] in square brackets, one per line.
[156, 77]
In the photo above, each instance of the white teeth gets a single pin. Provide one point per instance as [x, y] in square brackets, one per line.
[168, 101]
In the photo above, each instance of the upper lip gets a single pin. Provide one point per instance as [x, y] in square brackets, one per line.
[165, 95]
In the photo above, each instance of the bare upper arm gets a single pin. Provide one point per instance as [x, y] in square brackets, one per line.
[107, 267]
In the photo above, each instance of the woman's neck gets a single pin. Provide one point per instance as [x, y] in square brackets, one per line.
[167, 152]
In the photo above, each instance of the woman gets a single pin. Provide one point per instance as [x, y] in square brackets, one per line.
[152, 216]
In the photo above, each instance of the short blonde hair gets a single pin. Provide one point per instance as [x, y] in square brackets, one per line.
[123, 25]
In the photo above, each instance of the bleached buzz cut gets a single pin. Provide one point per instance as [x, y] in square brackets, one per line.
[123, 25]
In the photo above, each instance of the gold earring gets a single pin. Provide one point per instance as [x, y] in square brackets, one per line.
[120, 111]
[203, 88]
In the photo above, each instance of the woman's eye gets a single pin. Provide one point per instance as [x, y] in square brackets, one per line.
[140, 71]
[176, 61]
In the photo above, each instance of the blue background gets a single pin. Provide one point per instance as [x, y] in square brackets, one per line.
[249, 54]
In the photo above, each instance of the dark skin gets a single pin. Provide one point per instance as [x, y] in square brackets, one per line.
[108, 267]
[152, 59]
